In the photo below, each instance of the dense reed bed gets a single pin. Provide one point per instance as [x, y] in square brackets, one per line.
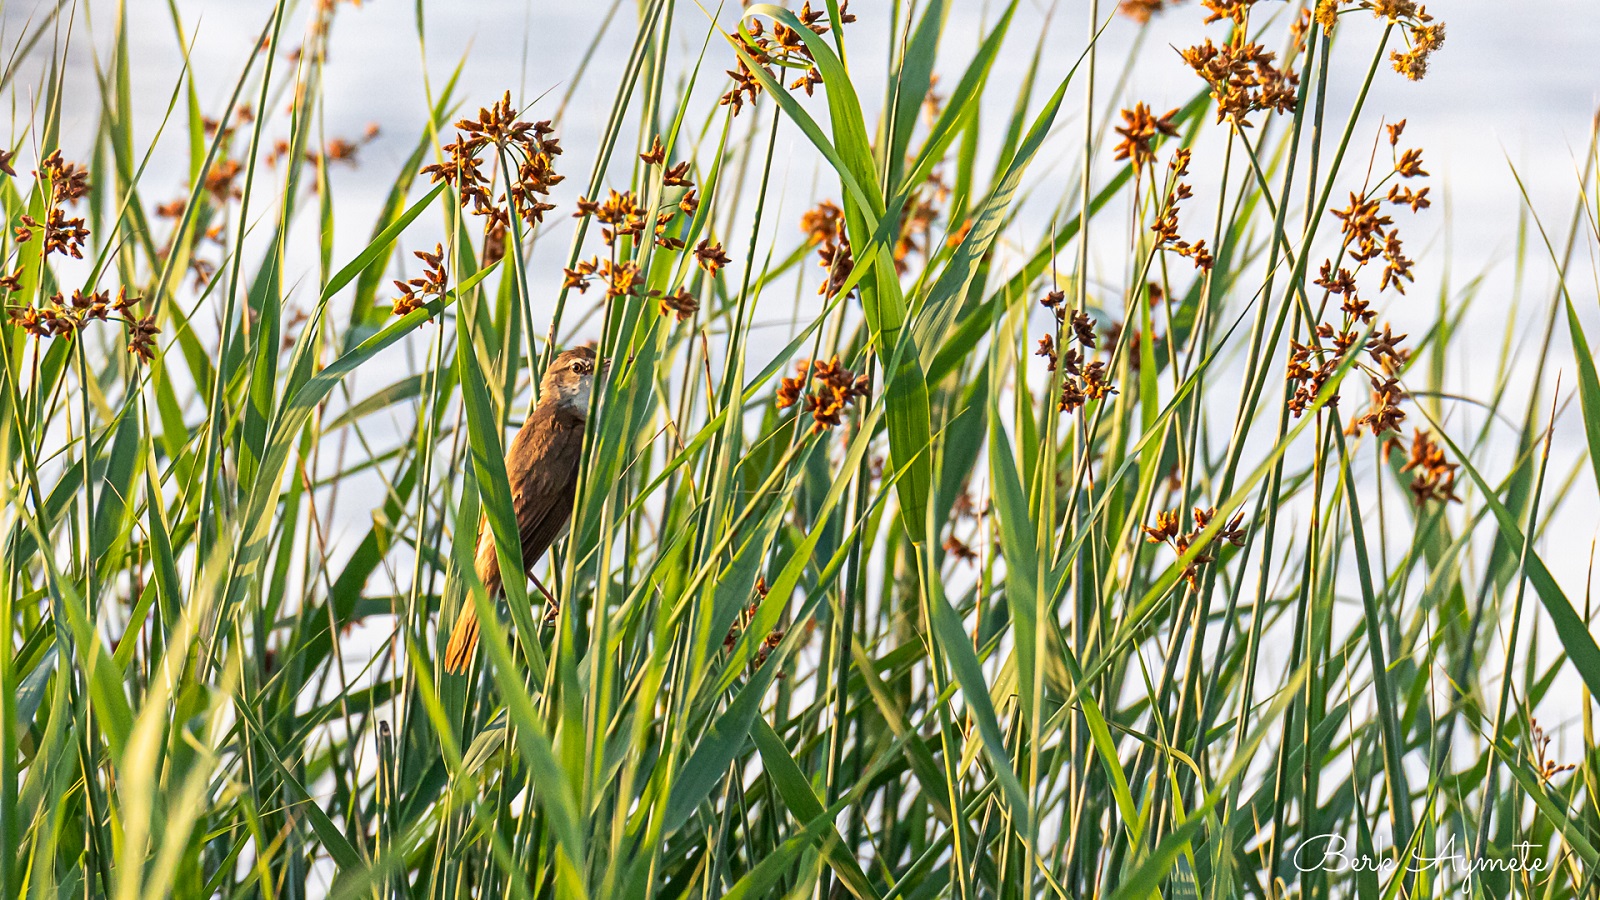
[923, 547]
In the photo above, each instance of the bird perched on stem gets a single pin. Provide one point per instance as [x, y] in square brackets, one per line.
[542, 466]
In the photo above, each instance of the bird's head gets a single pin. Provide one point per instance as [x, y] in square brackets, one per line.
[568, 379]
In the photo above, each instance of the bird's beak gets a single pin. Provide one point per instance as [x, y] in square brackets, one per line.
[605, 363]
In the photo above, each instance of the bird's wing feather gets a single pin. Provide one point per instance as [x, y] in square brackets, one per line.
[543, 469]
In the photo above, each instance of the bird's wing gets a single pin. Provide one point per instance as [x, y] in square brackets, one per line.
[543, 469]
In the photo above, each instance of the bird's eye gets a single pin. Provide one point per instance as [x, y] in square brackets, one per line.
[582, 367]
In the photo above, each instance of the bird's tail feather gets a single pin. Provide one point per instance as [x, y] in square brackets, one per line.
[464, 636]
[463, 640]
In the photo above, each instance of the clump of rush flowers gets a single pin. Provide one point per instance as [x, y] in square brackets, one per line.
[1169, 530]
[922, 210]
[64, 183]
[1369, 236]
[1434, 477]
[1546, 767]
[61, 316]
[835, 390]
[824, 228]
[1141, 10]
[1244, 76]
[965, 509]
[1139, 129]
[627, 226]
[1423, 35]
[781, 46]
[1082, 379]
[336, 150]
[220, 185]
[1166, 224]
[1134, 337]
[747, 618]
[527, 152]
[434, 281]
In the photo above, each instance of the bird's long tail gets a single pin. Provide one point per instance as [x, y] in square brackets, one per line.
[464, 636]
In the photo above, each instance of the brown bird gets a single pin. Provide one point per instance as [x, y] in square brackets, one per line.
[542, 465]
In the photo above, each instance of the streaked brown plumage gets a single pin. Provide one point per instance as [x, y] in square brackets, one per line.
[542, 466]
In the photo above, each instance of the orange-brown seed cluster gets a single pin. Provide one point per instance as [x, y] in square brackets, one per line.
[1244, 78]
[527, 146]
[1368, 235]
[1139, 129]
[1141, 10]
[1543, 764]
[824, 228]
[783, 46]
[415, 292]
[836, 389]
[1082, 379]
[61, 316]
[1169, 530]
[1166, 224]
[1434, 477]
[1421, 32]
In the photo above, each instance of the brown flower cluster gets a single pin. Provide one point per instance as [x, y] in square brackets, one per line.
[836, 390]
[1368, 235]
[1546, 767]
[623, 215]
[1141, 10]
[528, 146]
[1169, 530]
[1421, 33]
[1166, 224]
[745, 85]
[783, 46]
[1244, 77]
[1327, 14]
[676, 175]
[1114, 331]
[824, 228]
[1082, 379]
[1306, 380]
[67, 183]
[1435, 478]
[65, 317]
[681, 304]
[967, 508]
[414, 293]
[337, 150]
[243, 114]
[745, 619]
[1140, 127]
[710, 256]
[221, 180]
[1300, 29]
[619, 215]
[620, 278]
[1236, 11]
[960, 550]
[1385, 413]
[922, 210]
